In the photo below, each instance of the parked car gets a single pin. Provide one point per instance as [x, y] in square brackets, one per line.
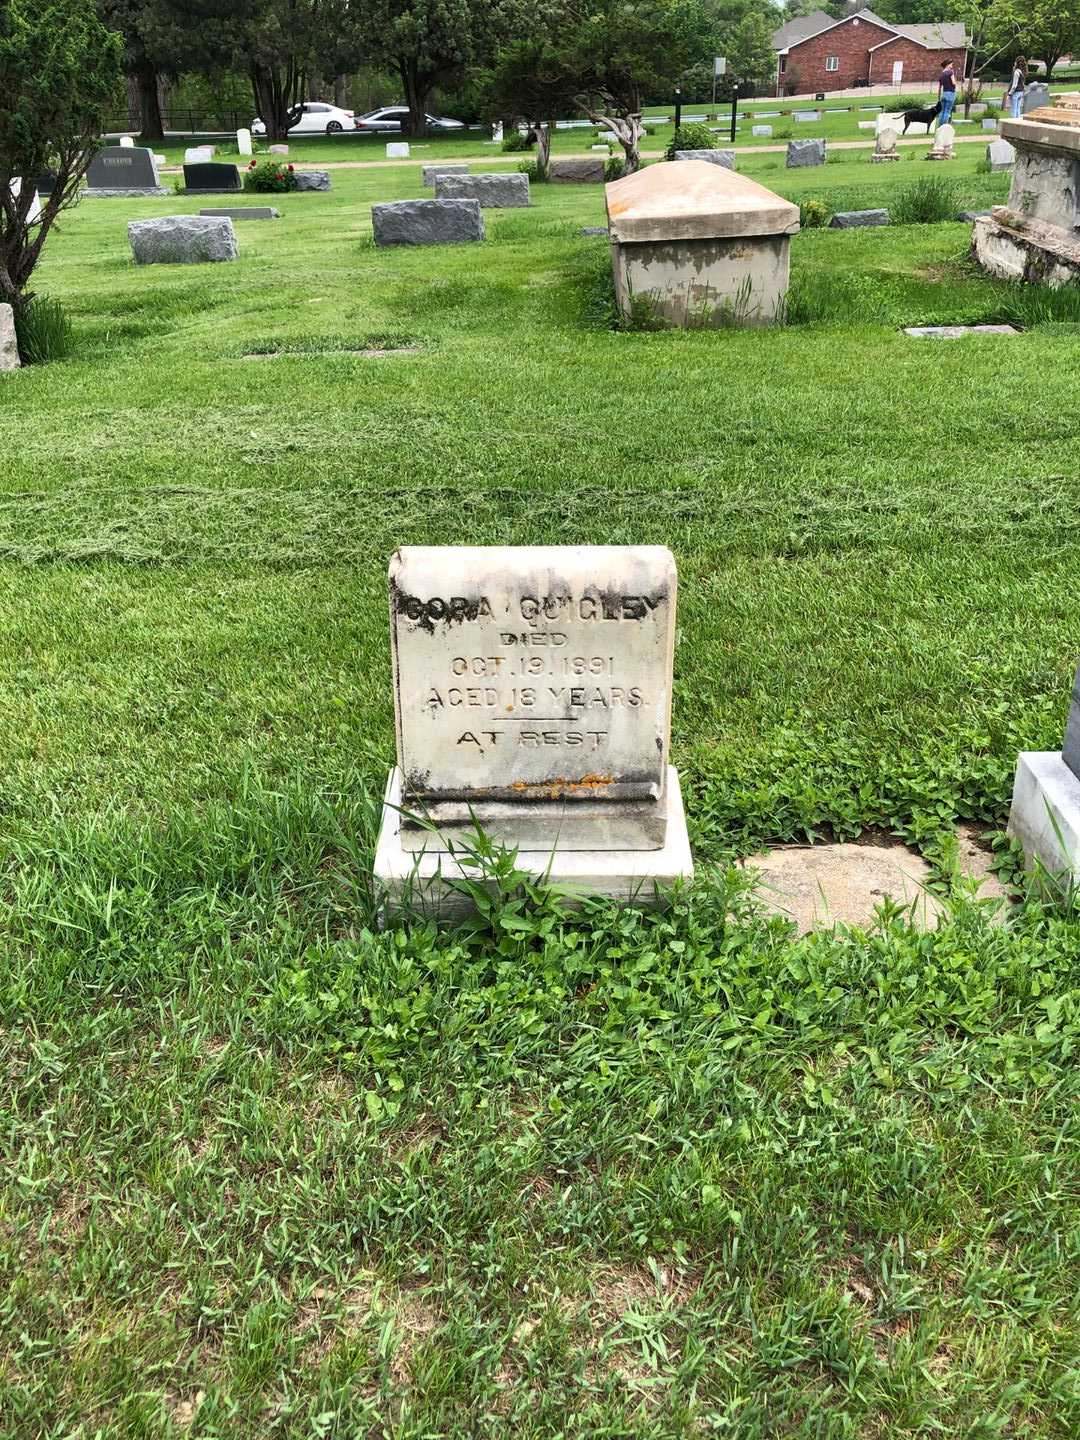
[395, 118]
[317, 119]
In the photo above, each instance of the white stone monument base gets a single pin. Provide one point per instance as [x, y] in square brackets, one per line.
[1045, 813]
[422, 882]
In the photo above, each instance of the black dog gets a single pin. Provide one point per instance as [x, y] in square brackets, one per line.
[921, 117]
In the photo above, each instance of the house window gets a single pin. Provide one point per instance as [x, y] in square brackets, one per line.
[832, 62]
[783, 63]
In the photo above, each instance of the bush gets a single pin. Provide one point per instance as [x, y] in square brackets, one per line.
[813, 214]
[897, 104]
[694, 136]
[992, 111]
[927, 201]
[43, 331]
[533, 171]
[269, 177]
[517, 141]
[614, 168]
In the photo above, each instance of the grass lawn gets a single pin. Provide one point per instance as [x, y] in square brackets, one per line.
[270, 1172]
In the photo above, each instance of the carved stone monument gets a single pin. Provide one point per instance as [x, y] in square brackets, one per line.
[532, 695]
[1045, 814]
[123, 171]
[1036, 236]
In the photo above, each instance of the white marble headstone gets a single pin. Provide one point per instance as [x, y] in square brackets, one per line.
[243, 141]
[532, 690]
[397, 150]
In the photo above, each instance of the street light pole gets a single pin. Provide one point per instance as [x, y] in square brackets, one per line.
[734, 107]
[678, 105]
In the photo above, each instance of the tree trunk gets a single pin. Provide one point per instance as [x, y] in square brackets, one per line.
[627, 130]
[150, 127]
[541, 133]
[341, 91]
[416, 94]
[273, 99]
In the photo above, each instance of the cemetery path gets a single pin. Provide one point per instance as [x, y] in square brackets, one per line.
[588, 155]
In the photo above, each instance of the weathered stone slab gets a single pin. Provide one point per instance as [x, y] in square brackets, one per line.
[858, 219]
[989, 124]
[445, 167]
[594, 230]
[821, 886]
[1016, 248]
[1000, 155]
[533, 691]
[971, 215]
[424, 881]
[312, 179]
[805, 152]
[956, 332]
[182, 240]
[763, 132]
[726, 158]
[397, 150]
[578, 172]
[494, 192]
[9, 347]
[427, 222]
[277, 149]
[246, 212]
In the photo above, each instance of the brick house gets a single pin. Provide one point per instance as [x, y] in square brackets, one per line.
[817, 52]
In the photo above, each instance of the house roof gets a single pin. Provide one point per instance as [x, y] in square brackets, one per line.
[941, 35]
[801, 28]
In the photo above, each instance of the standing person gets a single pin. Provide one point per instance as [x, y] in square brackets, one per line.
[946, 94]
[1017, 86]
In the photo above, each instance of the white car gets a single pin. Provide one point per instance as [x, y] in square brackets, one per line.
[318, 118]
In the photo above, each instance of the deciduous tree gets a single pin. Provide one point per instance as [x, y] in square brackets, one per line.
[625, 52]
[60, 71]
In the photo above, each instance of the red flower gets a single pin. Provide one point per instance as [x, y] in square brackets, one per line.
[290, 169]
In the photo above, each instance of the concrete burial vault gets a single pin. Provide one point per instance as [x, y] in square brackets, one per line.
[699, 244]
[1036, 237]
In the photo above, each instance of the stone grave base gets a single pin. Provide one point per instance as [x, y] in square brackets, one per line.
[1045, 813]
[102, 192]
[956, 332]
[886, 159]
[411, 882]
[1015, 247]
[820, 886]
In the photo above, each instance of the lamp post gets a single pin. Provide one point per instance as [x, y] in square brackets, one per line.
[678, 105]
[734, 106]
